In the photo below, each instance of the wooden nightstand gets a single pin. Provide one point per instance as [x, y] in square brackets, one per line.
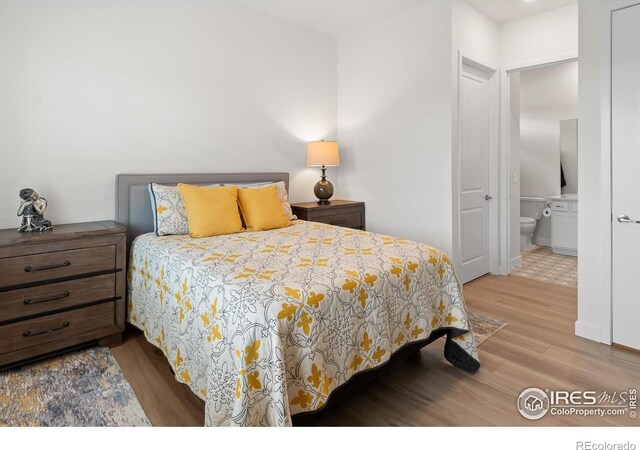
[343, 213]
[61, 289]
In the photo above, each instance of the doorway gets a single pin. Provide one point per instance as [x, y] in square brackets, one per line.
[541, 129]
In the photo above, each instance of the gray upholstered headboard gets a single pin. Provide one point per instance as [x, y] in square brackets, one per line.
[133, 205]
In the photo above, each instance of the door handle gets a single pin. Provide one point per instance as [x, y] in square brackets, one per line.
[625, 219]
[488, 197]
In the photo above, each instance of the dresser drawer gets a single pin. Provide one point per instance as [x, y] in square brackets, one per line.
[29, 333]
[348, 220]
[47, 266]
[50, 297]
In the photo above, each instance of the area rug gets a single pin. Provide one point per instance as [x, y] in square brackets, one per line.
[85, 388]
[484, 326]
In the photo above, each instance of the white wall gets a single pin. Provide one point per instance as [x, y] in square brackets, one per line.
[476, 37]
[394, 122]
[594, 218]
[551, 34]
[474, 34]
[569, 153]
[89, 89]
[514, 168]
[548, 95]
[544, 37]
[397, 116]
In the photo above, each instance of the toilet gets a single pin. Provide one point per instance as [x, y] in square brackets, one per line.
[530, 213]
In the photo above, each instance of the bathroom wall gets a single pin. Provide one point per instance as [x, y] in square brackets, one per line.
[514, 168]
[569, 154]
[548, 95]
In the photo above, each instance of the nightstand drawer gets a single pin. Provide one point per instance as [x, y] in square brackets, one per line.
[50, 297]
[348, 220]
[29, 333]
[48, 266]
[342, 213]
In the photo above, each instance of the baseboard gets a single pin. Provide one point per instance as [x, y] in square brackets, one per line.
[515, 262]
[588, 331]
[564, 251]
[542, 241]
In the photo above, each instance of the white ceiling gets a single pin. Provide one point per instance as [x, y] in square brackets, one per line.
[505, 10]
[337, 17]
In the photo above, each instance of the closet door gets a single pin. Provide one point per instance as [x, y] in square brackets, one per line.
[625, 159]
[474, 159]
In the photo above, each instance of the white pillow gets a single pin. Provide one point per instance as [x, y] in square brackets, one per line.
[169, 215]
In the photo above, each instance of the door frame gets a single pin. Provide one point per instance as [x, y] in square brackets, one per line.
[605, 222]
[505, 150]
[494, 160]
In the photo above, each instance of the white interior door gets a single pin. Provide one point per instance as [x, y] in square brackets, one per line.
[474, 160]
[625, 134]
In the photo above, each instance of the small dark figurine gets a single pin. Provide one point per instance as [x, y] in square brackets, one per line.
[32, 211]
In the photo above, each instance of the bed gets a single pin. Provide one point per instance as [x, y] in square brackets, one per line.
[266, 325]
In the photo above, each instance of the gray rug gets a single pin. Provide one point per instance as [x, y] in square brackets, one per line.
[484, 326]
[78, 389]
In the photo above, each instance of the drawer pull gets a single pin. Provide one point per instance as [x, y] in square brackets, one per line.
[55, 266]
[36, 333]
[32, 301]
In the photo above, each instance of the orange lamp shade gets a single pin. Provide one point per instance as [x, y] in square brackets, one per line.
[323, 153]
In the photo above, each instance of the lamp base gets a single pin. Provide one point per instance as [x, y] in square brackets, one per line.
[323, 191]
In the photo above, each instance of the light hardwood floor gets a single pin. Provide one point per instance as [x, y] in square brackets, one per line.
[537, 349]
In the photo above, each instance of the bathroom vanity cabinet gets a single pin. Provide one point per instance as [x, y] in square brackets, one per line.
[564, 224]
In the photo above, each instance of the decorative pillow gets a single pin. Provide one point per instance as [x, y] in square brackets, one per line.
[211, 211]
[282, 193]
[169, 215]
[262, 208]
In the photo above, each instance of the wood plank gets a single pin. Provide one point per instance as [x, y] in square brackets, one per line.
[165, 401]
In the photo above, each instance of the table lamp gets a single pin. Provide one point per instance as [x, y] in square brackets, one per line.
[323, 154]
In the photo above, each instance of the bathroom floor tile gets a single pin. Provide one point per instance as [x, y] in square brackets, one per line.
[541, 263]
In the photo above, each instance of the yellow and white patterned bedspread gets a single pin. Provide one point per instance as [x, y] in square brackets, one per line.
[267, 324]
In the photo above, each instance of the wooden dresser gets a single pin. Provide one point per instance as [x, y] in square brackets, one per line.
[61, 289]
[343, 213]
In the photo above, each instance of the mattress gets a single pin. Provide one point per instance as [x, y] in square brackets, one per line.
[264, 325]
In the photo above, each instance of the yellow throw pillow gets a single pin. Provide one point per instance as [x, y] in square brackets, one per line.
[262, 208]
[211, 211]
